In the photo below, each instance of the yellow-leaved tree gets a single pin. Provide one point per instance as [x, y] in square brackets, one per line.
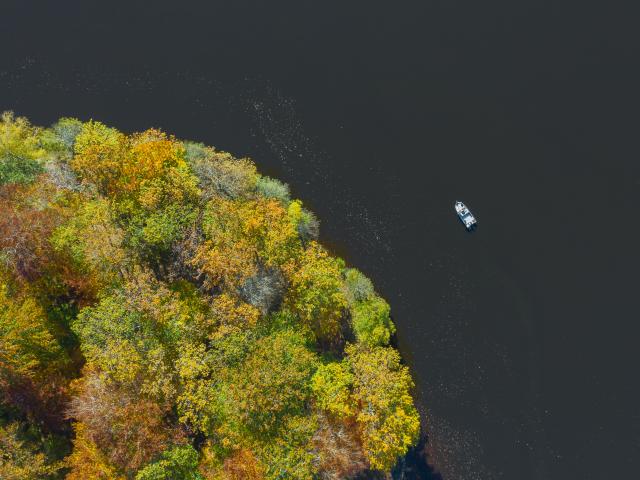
[27, 347]
[20, 150]
[388, 420]
[331, 386]
[243, 235]
[316, 293]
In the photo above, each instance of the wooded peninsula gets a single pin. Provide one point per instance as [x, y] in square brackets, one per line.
[166, 312]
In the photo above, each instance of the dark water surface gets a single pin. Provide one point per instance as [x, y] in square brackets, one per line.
[522, 337]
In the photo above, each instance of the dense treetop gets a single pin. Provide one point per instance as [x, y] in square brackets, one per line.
[166, 312]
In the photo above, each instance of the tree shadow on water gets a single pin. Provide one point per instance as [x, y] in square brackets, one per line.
[415, 464]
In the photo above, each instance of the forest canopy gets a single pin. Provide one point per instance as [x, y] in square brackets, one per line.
[166, 312]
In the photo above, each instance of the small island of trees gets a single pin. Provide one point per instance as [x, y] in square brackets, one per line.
[166, 312]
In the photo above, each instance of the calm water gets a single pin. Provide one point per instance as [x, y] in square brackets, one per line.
[522, 336]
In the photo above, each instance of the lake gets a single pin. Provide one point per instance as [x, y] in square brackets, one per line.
[522, 336]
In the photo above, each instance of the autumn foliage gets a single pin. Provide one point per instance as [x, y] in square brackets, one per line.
[166, 312]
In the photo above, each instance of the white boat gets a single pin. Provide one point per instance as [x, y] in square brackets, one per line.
[465, 216]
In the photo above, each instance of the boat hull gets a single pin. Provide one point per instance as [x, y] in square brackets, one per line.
[465, 216]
